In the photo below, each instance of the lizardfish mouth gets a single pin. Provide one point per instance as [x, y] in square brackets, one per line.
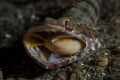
[52, 47]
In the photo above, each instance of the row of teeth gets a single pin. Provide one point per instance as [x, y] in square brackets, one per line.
[70, 33]
[66, 58]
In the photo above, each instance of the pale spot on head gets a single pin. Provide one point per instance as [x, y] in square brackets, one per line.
[91, 39]
[79, 35]
[93, 48]
[99, 45]
[72, 31]
[97, 40]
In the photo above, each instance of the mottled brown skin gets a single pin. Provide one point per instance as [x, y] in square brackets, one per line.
[77, 22]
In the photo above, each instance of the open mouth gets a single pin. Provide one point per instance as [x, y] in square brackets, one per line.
[54, 45]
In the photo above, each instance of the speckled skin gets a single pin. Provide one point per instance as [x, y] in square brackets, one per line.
[76, 21]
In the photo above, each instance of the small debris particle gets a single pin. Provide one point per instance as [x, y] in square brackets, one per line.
[8, 36]
[101, 61]
[105, 54]
[33, 16]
